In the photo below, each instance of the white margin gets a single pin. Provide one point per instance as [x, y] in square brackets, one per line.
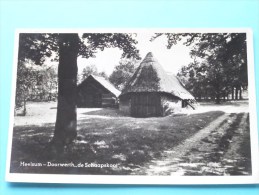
[131, 179]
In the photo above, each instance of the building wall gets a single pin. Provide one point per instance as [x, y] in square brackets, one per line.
[109, 100]
[125, 105]
[149, 104]
[94, 96]
[141, 104]
[88, 100]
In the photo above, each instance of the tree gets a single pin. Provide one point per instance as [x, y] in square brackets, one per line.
[45, 87]
[68, 46]
[195, 80]
[123, 72]
[26, 79]
[91, 70]
[88, 70]
[104, 75]
[224, 59]
[34, 84]
[50, 83]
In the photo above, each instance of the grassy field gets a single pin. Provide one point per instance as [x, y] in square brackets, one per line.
[107, 136]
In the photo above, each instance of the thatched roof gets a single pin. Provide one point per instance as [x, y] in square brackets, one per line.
[106, 84]
[151, 77]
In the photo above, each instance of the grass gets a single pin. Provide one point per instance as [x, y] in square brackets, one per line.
[106, 137]
[231, 154]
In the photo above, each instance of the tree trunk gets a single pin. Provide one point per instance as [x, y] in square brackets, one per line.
[236, 93]
[217, 99]
[232, 94]
[66, 121]
[240, 93]
[24, 107]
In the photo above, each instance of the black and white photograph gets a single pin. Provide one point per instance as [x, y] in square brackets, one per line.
[158, 106]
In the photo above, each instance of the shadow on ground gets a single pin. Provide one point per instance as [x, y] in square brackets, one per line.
[127, 143]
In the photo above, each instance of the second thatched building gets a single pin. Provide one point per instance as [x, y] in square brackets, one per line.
[151, 92]
[97, 92]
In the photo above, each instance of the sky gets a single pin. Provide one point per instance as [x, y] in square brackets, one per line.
[170, 59]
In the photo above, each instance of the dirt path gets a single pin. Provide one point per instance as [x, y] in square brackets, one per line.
[202, 153]
[235, 162]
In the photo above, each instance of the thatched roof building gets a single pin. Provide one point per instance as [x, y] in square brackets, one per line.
[96, 91]
[152, 92]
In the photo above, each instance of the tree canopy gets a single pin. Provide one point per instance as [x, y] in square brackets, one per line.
[123, 72]
[65, 48]
[220, 63]
[90, 70]
[38, 46]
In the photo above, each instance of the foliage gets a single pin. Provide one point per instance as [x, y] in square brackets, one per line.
[100, 41]
[49, 83]
[123, 72]
[34, 84]
[220, 62]
[90, 70]
[103, 74]
[45, 89]
[25, 80]
[194, 78]
[37, 47]
[66, 47]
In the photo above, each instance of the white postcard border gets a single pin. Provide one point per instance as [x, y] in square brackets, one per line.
[130, 179]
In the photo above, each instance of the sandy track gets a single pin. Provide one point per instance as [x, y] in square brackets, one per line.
[190, 157]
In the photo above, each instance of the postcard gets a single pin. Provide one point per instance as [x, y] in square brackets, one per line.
[133, 106]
